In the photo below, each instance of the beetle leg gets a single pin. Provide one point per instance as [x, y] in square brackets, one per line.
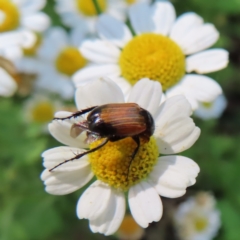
[137, 141]
[77, 114]
[81, 154]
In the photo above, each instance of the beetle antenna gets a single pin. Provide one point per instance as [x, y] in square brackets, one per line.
[137, 141]
[76, 114]
[81, 154]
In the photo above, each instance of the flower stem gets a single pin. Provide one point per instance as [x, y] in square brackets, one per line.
[97, 7]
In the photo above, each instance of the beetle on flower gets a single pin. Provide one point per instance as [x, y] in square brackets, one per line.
[103, 203]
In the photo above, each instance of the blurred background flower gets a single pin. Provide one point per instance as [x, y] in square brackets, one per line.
[18, 22]
[197, 218]
[129, 229]
[54, 60]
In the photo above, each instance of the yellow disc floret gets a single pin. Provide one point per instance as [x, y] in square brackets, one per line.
[200, 224]
[9, 16]
[87, 7]
[207, 105]
[112, 163]
[153, 56]
[43, 112]
[69, 61]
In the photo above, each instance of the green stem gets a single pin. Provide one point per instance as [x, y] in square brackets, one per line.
[98, 9]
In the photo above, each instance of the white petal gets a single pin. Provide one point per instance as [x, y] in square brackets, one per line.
[145, 204]
[147, 94]
[98, 51]
[78, 33]
[199, 39]
[98, 92]
[28, 7]
[61, 183]
[123, 84]
[93, 72]
[8, 86]
[140, 18]
[113, 30]
[94, 201]
[12, 53]
[54, 156]
[202, 88]
[184, 24]
[173, 174]
[207, 61]
[37, 22]
[60, 129]
[175, 131]
[109, 221]
[20, 37]
[179, 89]
[163, 16]
[56, 38]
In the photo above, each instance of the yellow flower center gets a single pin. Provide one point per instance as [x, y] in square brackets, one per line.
[9, 16]
[111, 163]
[87, 7]
[207, 104]
[200, 224]
[153, 56]
[69, 61]
[130, 1]
[43, 112]
[32, 51]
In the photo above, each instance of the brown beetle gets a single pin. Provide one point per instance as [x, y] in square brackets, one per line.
[113, 122]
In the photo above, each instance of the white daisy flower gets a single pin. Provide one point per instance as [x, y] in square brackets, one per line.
[83, 12]
[149, 176]
[214, 109]
[57, 58]
[18, 22]
[40, 108]
[197, 218]
[164, 48]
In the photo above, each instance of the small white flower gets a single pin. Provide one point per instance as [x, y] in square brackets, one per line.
[8, 85]
[103, 203]
[18, 21]
[40, 109]
[214, 109]
[165, 49]
[57, 58]
[83, 12]
[197, 218]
